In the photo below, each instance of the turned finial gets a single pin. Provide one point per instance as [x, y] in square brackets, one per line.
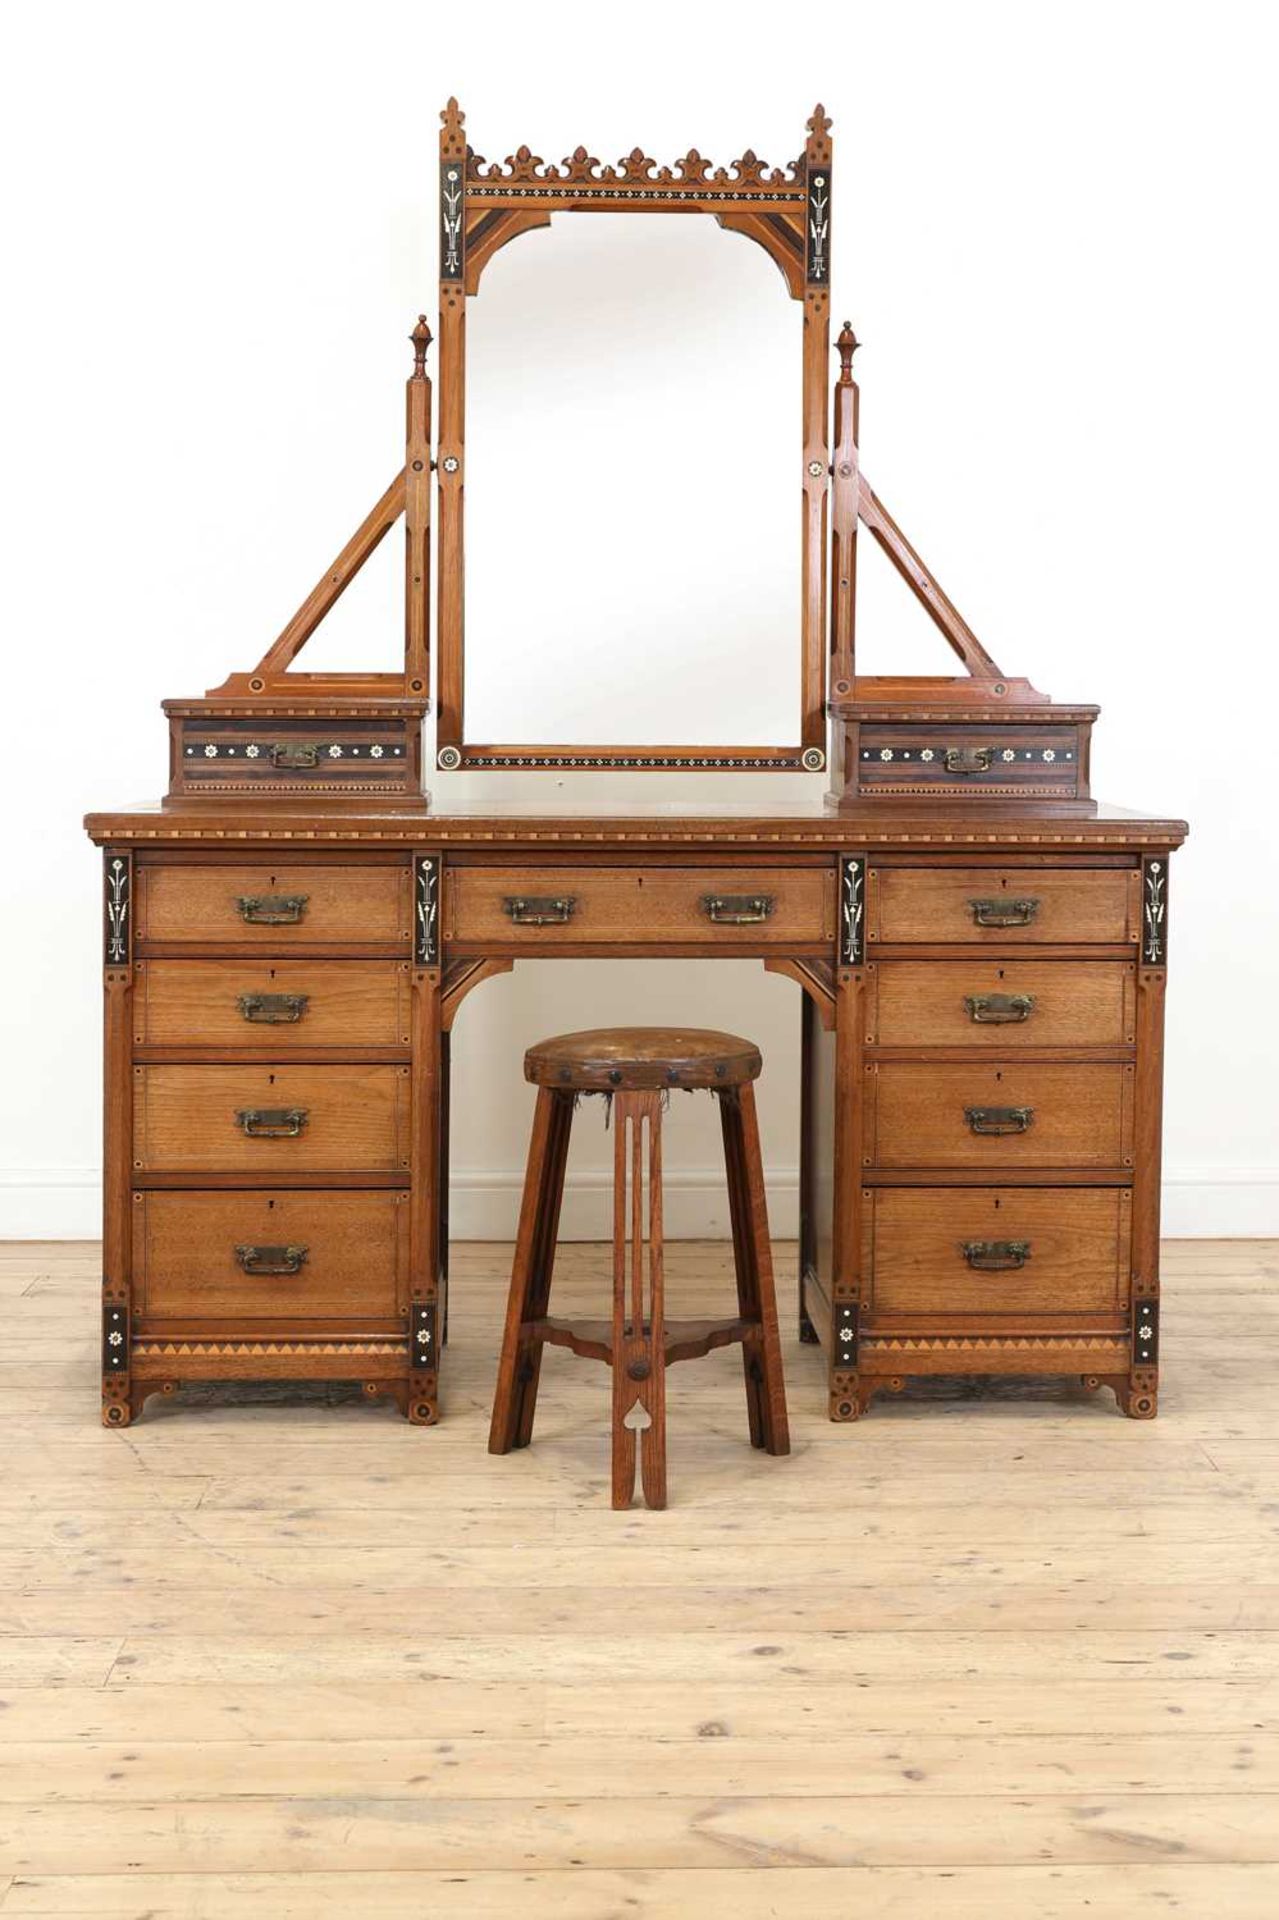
[421, 338]
[848, 344]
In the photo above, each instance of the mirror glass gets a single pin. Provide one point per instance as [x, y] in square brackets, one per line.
[633, 488]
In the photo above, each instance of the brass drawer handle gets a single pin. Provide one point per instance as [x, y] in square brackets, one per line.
[272, 1123]
[999, 1120]
[291, 754]
[999, 1009]
[265, 1260]
[272, 909]
[737, 909]
[528, 912]
[273, 1009]
[969, 759]
[1003, 913]
[995, 1256]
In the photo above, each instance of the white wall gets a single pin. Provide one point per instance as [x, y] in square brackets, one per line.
[1055, 234]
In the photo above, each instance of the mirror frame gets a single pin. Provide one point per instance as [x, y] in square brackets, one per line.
[787, 212]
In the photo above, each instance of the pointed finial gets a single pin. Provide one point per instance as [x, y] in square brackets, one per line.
[421, 338]
[453, 117]
[848, 344]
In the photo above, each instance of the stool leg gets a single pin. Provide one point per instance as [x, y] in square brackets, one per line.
[753, 1260]
[639, 1337]
[515, 1399]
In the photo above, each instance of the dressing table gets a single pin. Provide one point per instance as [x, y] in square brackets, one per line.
[979, 948]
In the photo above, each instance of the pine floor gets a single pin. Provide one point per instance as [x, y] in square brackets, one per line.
[997, 1656]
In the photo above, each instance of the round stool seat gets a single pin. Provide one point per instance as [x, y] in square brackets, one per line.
[609, 1059]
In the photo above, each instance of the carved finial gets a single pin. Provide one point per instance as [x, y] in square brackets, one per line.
[421, 338]
[819, 126]
[848, 344]
[452, 138]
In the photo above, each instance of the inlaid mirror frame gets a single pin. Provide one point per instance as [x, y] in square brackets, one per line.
[787, 212]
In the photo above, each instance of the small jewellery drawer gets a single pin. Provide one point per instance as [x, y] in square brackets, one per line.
[932, 1251]
[998, 1114]
[1002, 906]
[275, 906]
[285, 1005]
[997, 1004]
[632, 906]
[270, 1119]
[244, 1256]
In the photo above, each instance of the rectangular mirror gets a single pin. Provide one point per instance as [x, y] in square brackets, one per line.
[629, 415]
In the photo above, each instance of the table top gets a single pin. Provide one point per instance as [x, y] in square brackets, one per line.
[796, 825]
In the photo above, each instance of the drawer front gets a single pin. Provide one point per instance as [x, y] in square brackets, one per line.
[275, 907]
[1034, 761]
[996, 1005]
[290, 1257]
[999, 1114]
[286, 1005]
[933, 1251]
[1002, 906]
[632, 906]
[335, 1119]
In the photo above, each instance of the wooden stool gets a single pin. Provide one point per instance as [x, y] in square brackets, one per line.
[638, 1066]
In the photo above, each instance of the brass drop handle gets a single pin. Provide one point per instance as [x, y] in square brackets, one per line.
[272, 909]
[267, 1260]
[969, 759]
[273, 1009]
[999, 1009]
[292, 754]
[272, 1123]
[737, 909]
[995, 1256]
[528, 912]
[1003, 913]
[999, 1120]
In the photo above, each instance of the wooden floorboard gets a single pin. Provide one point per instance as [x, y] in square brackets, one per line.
[983, 1654]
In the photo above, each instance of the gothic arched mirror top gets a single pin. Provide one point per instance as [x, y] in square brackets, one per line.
[786, 211]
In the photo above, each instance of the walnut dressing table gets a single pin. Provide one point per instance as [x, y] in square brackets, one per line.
[980, 948]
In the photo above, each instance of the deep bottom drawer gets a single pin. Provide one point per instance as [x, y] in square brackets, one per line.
[933, 1252]
[241, 1257]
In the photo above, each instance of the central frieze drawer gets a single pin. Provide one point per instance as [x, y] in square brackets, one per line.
[633, 906]
[247, 1256]
[287, 1005]
[1000, 1004]
[275, 906]
[933, 1251]
[271, 1119]
[1002, 906]
[1001, 1114]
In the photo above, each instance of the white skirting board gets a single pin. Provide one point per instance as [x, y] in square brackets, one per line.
[1217, 1203]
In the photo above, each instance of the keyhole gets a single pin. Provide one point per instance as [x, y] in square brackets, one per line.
[270, 973]
[999, 973]
[998, 1074]
[270, 1206]
[998, 1203]
[270, 1079]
